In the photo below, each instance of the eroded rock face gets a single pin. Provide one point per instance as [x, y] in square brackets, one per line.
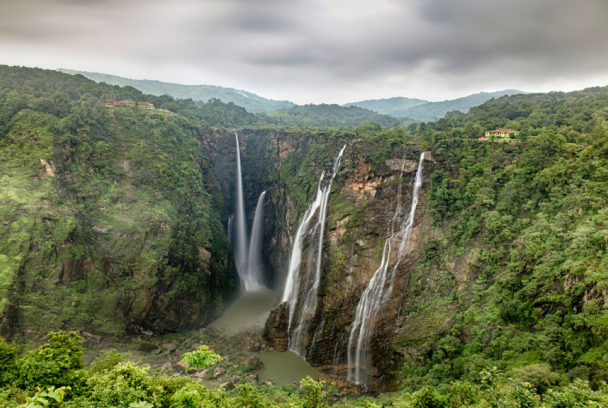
[275, 330]
[362, 203]
[350, 260]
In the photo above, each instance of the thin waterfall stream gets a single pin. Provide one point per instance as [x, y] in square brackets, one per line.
[252, 308]
[307, 305]
[247, 254]
[254, 260]
[378, 291]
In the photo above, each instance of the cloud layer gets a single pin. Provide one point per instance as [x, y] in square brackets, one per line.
[319, 50]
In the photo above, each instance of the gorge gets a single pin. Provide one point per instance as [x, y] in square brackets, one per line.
[400, 258]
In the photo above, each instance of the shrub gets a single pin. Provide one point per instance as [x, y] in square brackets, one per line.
[462, 394]
[578, 394]
[250, 397]
[124, 384]
[203, 357]
[427, 398]
[313, 396]
[8, 357]
[538, 376]
[55, 363]
[108, 360]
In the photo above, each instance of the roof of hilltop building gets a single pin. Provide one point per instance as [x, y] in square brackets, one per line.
[504, 130]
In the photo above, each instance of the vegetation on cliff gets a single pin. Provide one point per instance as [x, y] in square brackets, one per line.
[110, 218]
[112, 223]
[528, 220]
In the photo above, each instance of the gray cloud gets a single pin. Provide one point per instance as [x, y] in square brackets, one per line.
[319, 50]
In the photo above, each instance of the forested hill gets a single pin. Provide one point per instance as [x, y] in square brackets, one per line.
[425, 110]
[325, 115]
[251, 102]
[225, 110]
[520, 267]
[389, 106]
[110, 218]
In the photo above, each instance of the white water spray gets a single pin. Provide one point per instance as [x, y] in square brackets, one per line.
[254, 263]
[375, 296]
[250, 274]
[311, 281]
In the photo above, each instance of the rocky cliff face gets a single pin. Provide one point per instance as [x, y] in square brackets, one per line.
[110, 224]
[362, 202]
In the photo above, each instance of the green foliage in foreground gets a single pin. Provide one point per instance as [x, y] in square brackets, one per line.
[203, 357]
[53, 375]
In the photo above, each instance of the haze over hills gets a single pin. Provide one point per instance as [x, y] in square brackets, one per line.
[425, 110]
[251, 102]
[389, 106]
[398, 107]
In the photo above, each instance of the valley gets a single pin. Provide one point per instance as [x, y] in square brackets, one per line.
[402, 263]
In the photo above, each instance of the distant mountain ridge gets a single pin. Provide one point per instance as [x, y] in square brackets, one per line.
[389, 106]
[251, 102]
[424, 110]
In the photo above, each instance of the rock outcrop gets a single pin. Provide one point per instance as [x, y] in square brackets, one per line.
[275, 330]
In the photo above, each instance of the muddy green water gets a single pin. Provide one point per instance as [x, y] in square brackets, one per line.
[285, 368]
[249, 311]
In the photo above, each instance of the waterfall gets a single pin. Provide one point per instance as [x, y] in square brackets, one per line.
[229, 229]
[250, 273]
[311, 281]
[240, 247]
[375, 296]
[254, 263]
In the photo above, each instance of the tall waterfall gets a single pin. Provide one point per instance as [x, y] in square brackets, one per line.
[380, 287]
[307, 306]
[254, 262]
[249, 274]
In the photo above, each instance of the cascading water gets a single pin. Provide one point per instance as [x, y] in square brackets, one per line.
[254, 262]
[375, 296]
[310, 282]
[229, 229]
[249, 274]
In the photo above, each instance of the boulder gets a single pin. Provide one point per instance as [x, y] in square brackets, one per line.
[170, 347]
[276, 327]
[218, 372]
[146, 346]
[201, 374]
[254, 362]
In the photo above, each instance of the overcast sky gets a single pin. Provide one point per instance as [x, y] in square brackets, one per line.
[333, 51]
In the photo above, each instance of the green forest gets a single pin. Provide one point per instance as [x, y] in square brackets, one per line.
[112, 224]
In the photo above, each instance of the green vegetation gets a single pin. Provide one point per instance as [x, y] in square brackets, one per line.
[331, 116]
[110, 218]
[203, 357]
[437, 110]
[111, 224]
[389, 106]
[527, 223]
[112, 382]
[251, 102]
[424, 110]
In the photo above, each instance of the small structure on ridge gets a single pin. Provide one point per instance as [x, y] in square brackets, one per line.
[503, 134]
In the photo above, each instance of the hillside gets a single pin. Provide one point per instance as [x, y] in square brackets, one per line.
[437, 110]
[325, 115]
[425, 110]
[113, 224]
[248, 100]
[109, 216]
[389, 106]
